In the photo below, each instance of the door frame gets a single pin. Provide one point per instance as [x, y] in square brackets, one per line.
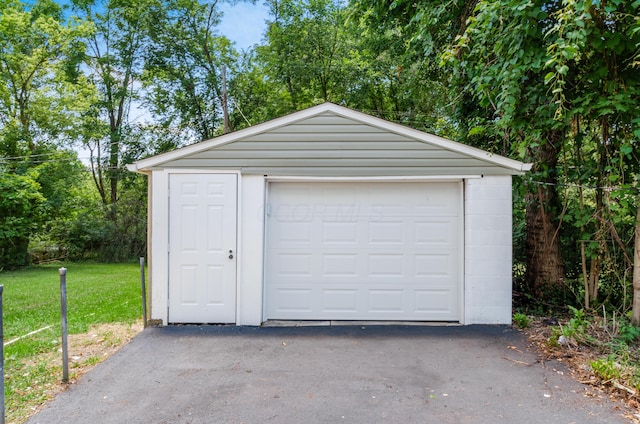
[160, 250]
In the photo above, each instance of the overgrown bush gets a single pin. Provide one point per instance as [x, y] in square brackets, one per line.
[21, 207]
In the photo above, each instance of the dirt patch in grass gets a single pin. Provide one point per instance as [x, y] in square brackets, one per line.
[86, 350]
[579, 357]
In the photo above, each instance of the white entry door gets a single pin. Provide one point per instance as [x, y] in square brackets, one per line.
[202, 248]
[364, 251]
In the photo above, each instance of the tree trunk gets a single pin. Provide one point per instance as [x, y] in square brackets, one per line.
[544, 262]
[635, 318]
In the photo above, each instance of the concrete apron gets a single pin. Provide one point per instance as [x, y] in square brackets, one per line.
[328, 374]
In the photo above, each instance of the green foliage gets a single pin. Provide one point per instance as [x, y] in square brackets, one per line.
[21, 207]
[521, 320]
[575, 332]
[183, 67]
[39, 96]
[87, 234]
[305, 49]
[629, 334]
[606, 369]
[125, 238]
[552, 83]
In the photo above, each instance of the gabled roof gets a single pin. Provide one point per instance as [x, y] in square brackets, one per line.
[331, 140]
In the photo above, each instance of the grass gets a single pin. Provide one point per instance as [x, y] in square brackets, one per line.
[96, 293]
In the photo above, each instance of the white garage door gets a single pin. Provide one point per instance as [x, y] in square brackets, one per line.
[364, 251]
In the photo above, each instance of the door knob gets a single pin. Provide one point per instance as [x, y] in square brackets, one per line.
[230, 254]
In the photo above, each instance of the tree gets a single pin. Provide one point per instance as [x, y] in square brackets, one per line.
[114, 62]
[305, 50]
[21, 206]
[184, 68]
[256, 97]
[40, 88]
[501, 56]
[548, 82]
[41, 95]
[595, 87]
[392, 76]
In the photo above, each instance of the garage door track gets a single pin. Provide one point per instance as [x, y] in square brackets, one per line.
[331, 374]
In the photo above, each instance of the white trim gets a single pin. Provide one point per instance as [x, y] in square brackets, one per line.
[265, 234]
[200, 171]
[516, 166]
[421, 178]
[159, 260]
[239, 258]
[461, 241]
[251, 254]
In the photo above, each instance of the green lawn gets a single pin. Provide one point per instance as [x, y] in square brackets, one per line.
[96, 293]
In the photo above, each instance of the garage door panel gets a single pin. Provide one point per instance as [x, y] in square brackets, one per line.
[340, 265]
[340, 300]
[295, 264]
[368, 251]
[442, 266]
[386, 300]
[294, 301]
[386, 232]
[340, 233]
[294, 233]
[433, 301]
[438, 232]
[386, 265]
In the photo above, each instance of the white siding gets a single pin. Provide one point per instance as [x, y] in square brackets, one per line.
[251, 249]
[159, 247]
[488, 250]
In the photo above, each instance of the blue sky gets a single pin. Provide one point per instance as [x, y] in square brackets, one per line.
[244, 23]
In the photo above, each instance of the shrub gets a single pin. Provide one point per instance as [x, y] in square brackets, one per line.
[521, 320]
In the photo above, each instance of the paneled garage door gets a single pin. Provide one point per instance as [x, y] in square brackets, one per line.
[364, 251]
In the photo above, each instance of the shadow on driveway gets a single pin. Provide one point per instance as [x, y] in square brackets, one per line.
[340, 374]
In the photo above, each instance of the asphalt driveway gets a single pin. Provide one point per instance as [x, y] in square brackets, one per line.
[339, 374]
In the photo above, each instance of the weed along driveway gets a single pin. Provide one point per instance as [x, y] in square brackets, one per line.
[333, 374]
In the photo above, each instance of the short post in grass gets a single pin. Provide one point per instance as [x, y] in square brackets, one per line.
[63, 308]
[144, 293]
[1, 357]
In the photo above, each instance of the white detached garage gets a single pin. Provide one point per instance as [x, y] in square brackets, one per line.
[330, 214]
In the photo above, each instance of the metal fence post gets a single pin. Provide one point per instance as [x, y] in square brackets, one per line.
[144, 293]
[63, 307]
[2, 355]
